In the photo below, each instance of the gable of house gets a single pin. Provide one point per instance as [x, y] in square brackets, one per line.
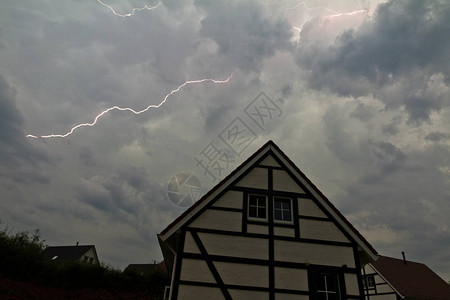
[376, 287]
[264, 232]
[407, 279]
[80, 253]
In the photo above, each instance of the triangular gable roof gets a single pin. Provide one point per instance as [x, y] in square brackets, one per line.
[412, 279]
[272, 148]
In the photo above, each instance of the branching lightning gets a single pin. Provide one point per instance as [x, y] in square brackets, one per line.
[332, 16]
[146, 7]
[189, 82]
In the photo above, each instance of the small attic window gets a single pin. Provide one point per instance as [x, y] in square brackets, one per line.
[257, 207]
[282, 210]
[369, 282]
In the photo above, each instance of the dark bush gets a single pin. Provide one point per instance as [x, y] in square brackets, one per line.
[21, 260]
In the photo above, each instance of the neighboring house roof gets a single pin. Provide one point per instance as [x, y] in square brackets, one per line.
[69, 253]
[269, 148]
[412, 279]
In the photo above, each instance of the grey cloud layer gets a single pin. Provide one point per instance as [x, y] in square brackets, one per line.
[400, 56]
[365, 113]
[15, 152]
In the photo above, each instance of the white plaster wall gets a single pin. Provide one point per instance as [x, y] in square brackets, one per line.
[283, 182]
[231, 199]
[281, 296]
[384, 288]
[378, 279]
[196, 270]
[235, 246]
[292, 279]
[283, 231]
[242, 274]
[368, 269]
[261, 229]
[307, 207]
[91, 254]
[256, 178]
[383, 297]
[219, 219]
[351, 284]
[189, 244]
[247, 295]
[270, 161]
[187, 292]
[314, 253]
[320, 230]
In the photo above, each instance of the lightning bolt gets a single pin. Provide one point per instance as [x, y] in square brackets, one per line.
[329, 17]
[348, 13]
[310, 8]
[299, 29]
[132, 12]
[189, 82]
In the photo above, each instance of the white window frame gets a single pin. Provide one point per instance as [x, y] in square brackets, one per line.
[291, 206]
[248, 208]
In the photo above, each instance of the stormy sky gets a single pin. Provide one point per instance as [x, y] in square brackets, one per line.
[357, 94]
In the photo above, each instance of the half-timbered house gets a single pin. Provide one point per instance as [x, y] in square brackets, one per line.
[265, 232]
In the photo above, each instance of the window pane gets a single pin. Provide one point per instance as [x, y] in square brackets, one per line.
[277, 204]
[321, 283]
[332, 296]
[286, 215]
[371, 281]
[331, 283]
[322, 296]
[252, 200]
[262, 201]
[278, 215]
[262, 212]
[252, 212]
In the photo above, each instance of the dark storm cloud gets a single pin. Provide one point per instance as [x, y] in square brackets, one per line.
[401, 56]
[124, 192]
[15, 152]
[437, 136]
[245, 36]
[407, 194]
[378, 158]
[413, 202]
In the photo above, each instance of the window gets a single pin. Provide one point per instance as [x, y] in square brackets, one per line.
[257, 207]
[369, 282]
[325, 283]
[282, 209]
[327, 287]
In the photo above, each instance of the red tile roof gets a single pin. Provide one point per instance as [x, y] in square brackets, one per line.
[412, 280]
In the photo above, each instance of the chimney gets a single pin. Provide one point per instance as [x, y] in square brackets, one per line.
[77, 243]
[404, 259]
